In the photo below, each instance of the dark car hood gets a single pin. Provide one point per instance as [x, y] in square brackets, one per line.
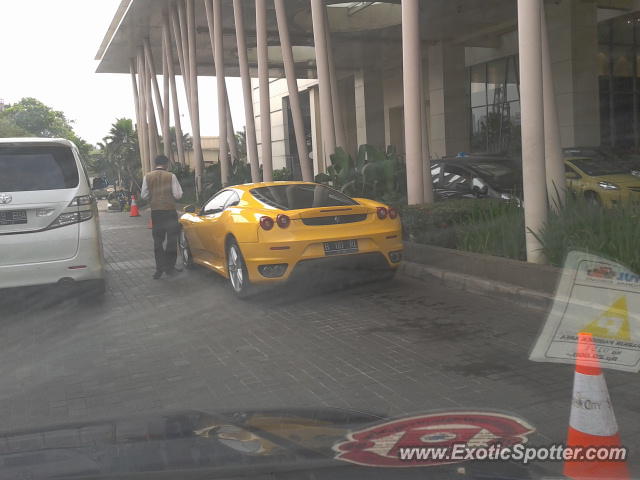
[193, 444]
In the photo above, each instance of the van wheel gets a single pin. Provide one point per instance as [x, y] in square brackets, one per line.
[237, 271]
[185, 251]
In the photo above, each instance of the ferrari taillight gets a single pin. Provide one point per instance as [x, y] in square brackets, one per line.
[283, 221]
[382, 213]
[266, 223]
[393, 213]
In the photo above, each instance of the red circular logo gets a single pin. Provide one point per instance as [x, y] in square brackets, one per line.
[380, 445]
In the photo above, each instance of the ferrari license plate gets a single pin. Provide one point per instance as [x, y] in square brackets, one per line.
[340, 247]
[13, 217]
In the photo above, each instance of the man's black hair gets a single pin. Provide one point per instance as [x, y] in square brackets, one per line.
[161, 161]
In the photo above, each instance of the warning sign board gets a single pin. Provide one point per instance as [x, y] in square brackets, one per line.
[595, 296]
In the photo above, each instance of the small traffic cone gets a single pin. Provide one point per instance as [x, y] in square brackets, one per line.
[134, 207]
[592, 422]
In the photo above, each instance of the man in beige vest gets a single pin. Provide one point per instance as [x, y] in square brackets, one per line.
[162, 189]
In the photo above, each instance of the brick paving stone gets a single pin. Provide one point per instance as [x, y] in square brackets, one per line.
[185, 342]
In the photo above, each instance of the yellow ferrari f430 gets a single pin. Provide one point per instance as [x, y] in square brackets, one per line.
[263, 233]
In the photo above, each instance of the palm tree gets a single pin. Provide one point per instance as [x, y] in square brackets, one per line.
[187, 141]
[121, 152]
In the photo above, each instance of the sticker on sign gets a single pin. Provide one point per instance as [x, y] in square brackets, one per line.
[596, 296]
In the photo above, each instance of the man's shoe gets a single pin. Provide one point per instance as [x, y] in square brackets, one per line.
[157, 275]
[173, 271]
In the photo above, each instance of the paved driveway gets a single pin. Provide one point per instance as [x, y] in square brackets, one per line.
[185, 342]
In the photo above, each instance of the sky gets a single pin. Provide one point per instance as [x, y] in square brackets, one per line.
[47, 51]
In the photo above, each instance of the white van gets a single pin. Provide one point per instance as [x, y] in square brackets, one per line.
[49, 230]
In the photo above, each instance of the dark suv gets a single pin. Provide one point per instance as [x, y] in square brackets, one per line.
[477, 176]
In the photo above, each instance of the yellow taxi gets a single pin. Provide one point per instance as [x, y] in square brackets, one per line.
[601, 182]
[261, 233]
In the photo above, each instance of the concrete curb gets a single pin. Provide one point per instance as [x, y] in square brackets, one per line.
[522, 296]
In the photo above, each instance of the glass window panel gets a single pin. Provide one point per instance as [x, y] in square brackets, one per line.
[514, 119]
[623, 32]
[604, 33]
[603, 63]
[478, 129]
[513, 92]
[478, 86]
[623, 105]
[622, 62]
[496, 76]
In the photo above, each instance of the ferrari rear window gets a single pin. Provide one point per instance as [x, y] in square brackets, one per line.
[299, 196]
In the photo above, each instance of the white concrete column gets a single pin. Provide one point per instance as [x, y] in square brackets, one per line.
[533, 145]
[214, 20]
[265, 100]
[152, 129]
[294, 97]
[243, 62]
[411, 61]
[369, 107]
[139, 127]
[154, 82]
[573, 38]
[176, 30]
[324, 78]
[338, 123]
[195, 109]
[166, 33]
[554, 160]
[231, 132]
[143, 112]
[183, 31]
[166, 118]
[316, 131]
[448, 102]
[427, 181]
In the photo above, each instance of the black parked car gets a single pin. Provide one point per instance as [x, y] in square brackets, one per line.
[477, 176]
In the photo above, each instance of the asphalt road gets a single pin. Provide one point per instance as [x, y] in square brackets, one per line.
[396, 349]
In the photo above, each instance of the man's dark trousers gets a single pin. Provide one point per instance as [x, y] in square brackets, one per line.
[165, 226]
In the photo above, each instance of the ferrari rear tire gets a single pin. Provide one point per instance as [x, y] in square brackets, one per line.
[237, 270]
[185, 251]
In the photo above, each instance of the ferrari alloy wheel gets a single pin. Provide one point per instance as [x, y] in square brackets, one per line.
[185, 252]
[238, 276]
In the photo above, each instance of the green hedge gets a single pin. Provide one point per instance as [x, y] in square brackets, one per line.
[483, 226]
[613, 233]
[497, 228]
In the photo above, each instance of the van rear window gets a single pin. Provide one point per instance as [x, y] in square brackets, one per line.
[27, 169]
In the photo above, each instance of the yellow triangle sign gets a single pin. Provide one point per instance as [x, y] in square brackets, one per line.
[612, 323]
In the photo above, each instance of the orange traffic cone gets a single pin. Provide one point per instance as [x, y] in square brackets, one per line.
[592, 422]
[134, 207]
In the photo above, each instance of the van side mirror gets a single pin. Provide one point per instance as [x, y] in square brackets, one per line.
[189, 209]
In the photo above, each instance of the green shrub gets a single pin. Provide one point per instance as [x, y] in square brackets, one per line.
[613, 232]
[438, 223]
[493, 228]
[282, 175]
[497, 228]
